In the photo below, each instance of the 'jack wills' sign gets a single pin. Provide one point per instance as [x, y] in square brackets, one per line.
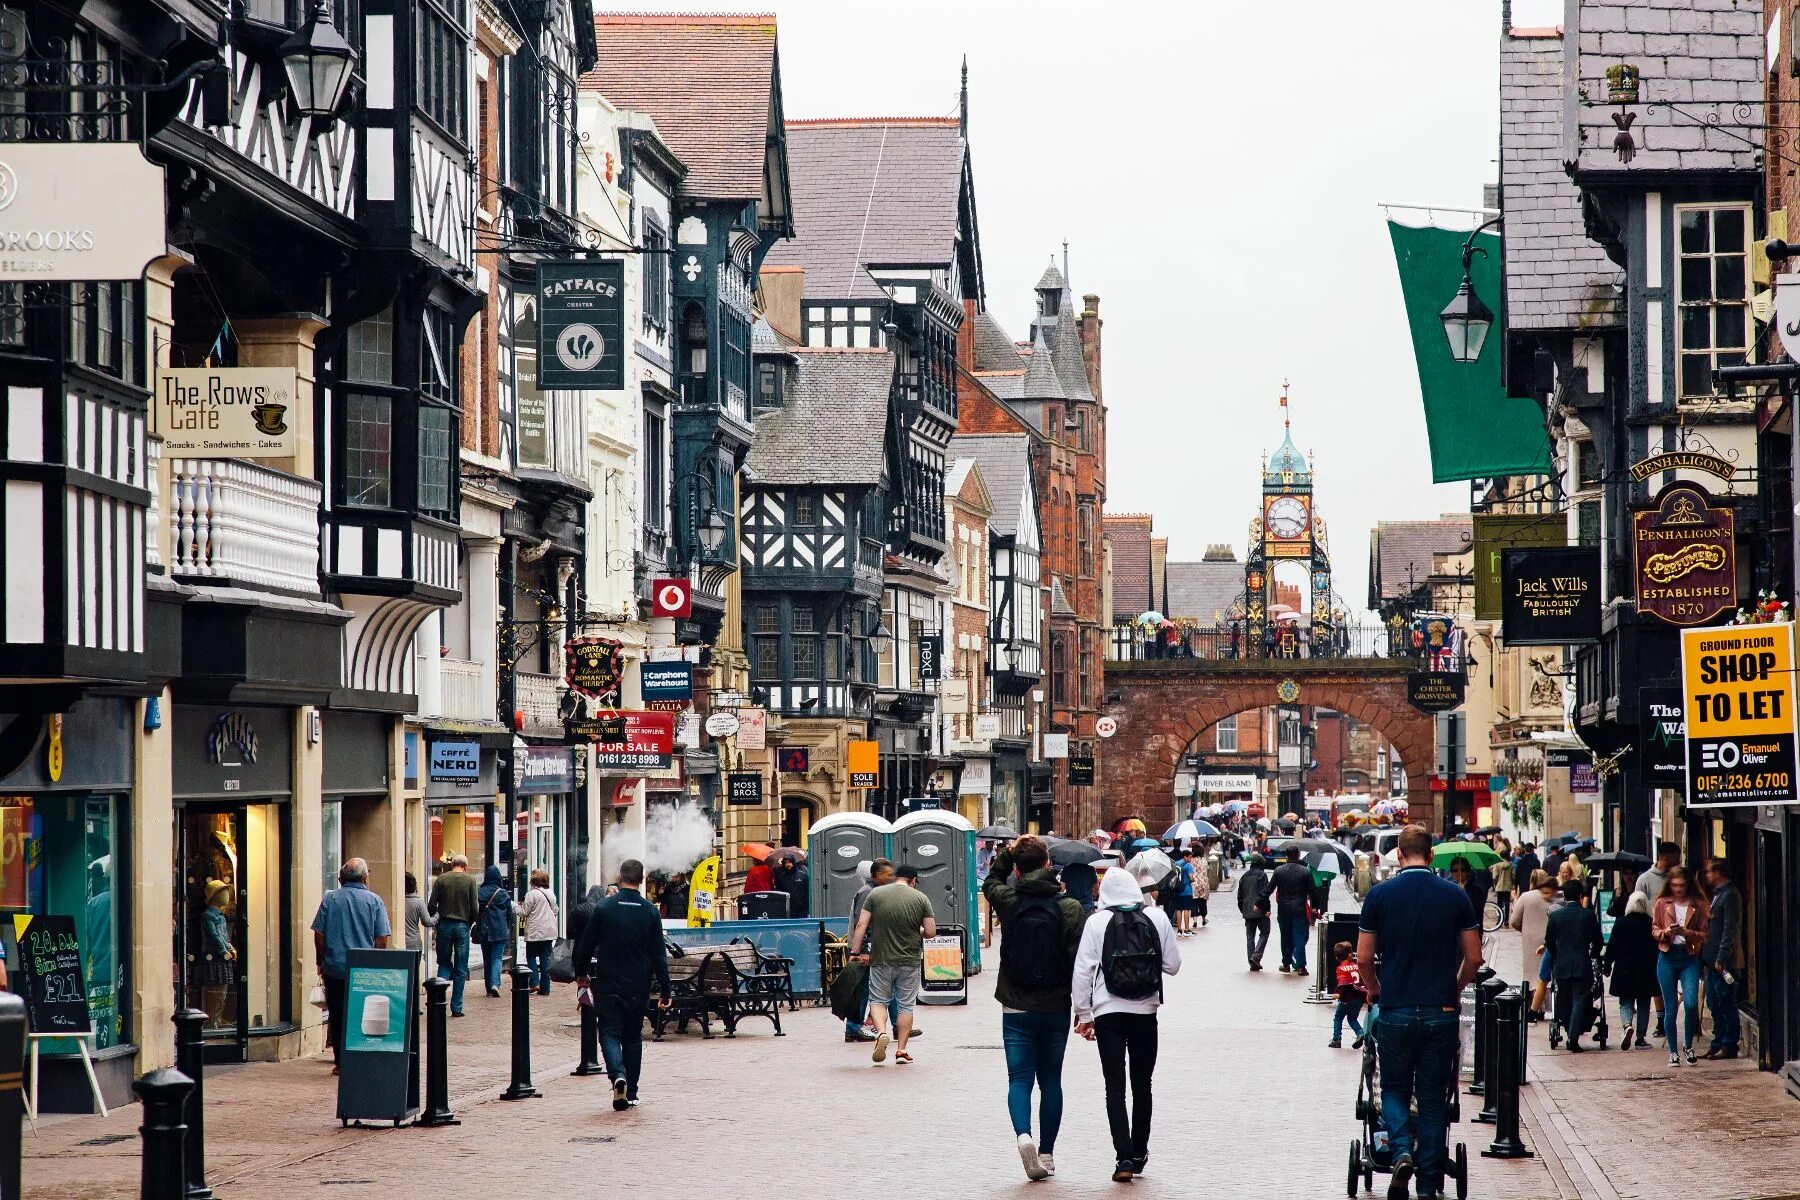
[1550, 595]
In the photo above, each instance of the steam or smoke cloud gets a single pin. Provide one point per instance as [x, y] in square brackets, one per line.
[675, 838]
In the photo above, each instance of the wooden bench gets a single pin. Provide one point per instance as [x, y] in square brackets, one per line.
[687, 1002]
[741, 981]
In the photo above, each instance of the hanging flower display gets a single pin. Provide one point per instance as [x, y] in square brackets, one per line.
[1768, 610]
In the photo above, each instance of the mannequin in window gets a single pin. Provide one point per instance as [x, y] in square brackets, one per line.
[218, 957]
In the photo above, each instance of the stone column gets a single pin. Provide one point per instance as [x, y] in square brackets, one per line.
[152, 883]
[287, 342]
[306, 859]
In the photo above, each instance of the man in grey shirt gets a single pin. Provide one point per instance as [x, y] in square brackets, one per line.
[1722, 958]
[1668, 857]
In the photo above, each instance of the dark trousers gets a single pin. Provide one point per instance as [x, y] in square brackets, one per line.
[1417, 1048]
[1256, 937]
[1721, 1002]
[1294, 931]
[1122, 1037]
[334, 1014]
[622, 1037]
[1574, 1005]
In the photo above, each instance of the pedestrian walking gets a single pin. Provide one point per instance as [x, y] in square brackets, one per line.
[1177, 895]
[493, 925]
[418, 917]
[1526, 864]
[1039, 930]
[540, 914]
[1126, 947]
[1080, 882]
[1471, 882]
[1722, 957]
[672, 901]
[873, 873]
[1429, 942]
[760, 877]
[619, 958]
[350, 917]
[1529, 917]
[1572, 943]
[1199, 888]
[1631, 966]
[455, 900]
[1679, 923]
[1502, 874]
[1350, 996]
[792, 877]
[1292, 885]
[1253, 905]
[896, 919]
[1652, 882]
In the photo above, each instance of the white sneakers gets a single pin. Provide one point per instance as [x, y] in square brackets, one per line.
[1034, 1162]
[1049, 1161]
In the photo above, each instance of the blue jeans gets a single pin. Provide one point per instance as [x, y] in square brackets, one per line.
[1635, 1011]
[1034, 1052]
[1345, 1011]
[1294, 931]
[537, 955]
[453, 958]
[1721, 1002]
[1418, 1057]
[1677, 968]
[493, 959]
[621, 1021]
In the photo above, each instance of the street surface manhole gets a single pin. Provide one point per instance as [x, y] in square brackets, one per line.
[111, 1139]
[592, 1141]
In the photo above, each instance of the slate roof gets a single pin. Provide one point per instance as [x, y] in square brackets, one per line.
[708, 80]
[1059, 603]
[994, 348]
[1008, 385]
[1041, 381]
[1400, 552]
[1005, 461]
[883, 190]
[1197, 590]
[1064, 339]
[832, 424]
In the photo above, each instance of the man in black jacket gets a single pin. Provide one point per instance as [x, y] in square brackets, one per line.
[618, 957]
[792, 877]
[1722, 959]
[1253, 903]
[1572, 941]
[1292, 886]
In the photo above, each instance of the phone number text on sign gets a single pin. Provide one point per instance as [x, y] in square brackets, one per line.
[1738, 683]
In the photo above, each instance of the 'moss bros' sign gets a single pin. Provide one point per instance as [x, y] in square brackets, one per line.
[1739, 686]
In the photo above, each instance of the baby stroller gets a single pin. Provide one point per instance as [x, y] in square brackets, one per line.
[1596, 1009]
[1371, 1153]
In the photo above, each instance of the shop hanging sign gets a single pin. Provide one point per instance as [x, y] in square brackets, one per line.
[666, 680]
[1663, 730]
[1497, 532]
[931, 653]
[1081, 770]
[1056, 745]
[953, 695]
[744, 787]
[722, 724]
[1682, 460]
[1564, 758]
[457, 761]
[1434, 691]
[648, 741]
[581, 325]
[48, 974]
[73, 211]
[597, 729]
[1550, 595]
[596, 669]
[546, 771]
[227, 412]
[865, 764]
[793, 760]
[1787, 313]
[1685, 551]
[1737, 685]
[671, 598]
[753, 729]
[987, 726]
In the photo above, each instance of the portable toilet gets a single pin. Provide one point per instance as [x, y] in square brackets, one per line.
[834, 846]
[942, 846]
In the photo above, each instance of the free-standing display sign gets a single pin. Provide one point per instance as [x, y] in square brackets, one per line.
[596, 669]
[378, 1070]
[1663, 728]
[1550, 595]
[581, 325]
[226, 412]
[1737, 682]
[1685, 553]
[48, 974]
[79, 210]
[1434, 691]
[944, 973]
[703, 890]
[865, 764]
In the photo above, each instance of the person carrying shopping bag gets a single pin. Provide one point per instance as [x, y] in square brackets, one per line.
[1679, 924]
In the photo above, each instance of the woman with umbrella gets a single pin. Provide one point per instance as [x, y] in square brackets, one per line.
[761, 876]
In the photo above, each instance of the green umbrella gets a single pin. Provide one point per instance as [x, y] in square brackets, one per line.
[1476, 854]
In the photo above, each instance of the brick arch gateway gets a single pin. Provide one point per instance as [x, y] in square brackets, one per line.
[1162, 705]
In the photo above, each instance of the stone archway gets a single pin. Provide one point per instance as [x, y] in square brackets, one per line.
[1163, 705]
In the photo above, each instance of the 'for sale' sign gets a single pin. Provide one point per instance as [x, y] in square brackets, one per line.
[1738, 682]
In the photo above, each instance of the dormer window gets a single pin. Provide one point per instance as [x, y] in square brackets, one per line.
[1049, 303]
[768, 386]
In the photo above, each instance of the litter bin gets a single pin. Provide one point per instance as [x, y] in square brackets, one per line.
[834, 845]
[763, 906]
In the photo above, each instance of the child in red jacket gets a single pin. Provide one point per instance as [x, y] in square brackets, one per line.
[1350, 997]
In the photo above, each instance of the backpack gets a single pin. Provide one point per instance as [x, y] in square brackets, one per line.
[1131, 955]
[1033, 957]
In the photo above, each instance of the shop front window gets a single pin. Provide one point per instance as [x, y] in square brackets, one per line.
[60, 855]
[459, 829]
[233, 958]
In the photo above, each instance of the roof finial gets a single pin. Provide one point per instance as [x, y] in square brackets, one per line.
[1505, 16]
[1066, 282]
[1285, 423]
[962, 108]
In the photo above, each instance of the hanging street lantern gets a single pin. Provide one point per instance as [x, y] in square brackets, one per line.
[317, 60]
[1466, 322]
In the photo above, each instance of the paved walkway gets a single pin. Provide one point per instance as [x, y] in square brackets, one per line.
[1249, 1102]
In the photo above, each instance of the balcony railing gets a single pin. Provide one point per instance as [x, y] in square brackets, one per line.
[153, 516]
[232, 521]
[466, 691]
[1231, 640]
[540, 699]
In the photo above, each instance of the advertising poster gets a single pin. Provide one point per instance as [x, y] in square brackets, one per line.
[703, 889]
[375, 1009]
[753, 729]
[865, 764]
[648, 740]
[1738, 688]
[1663, 726]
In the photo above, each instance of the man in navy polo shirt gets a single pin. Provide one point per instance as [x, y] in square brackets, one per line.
[1425, 933]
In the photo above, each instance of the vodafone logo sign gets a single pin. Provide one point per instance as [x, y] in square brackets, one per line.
[671, 598]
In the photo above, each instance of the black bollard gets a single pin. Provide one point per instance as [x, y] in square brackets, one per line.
[164, 1093]
[590, 1043]
[189, 1061]
[521, 1088]
[1489, 1017]
[1509, 1027]
[12, 1093]
[1478, 1080]
[437, 1063]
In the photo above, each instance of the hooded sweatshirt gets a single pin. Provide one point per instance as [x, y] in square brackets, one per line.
[493, 921]
[1003, 897]
[1090, 997]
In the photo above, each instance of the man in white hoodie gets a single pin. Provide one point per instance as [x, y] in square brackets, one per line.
[1116, 992]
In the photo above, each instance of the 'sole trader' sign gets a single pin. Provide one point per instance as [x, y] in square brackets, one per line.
[1738, 683]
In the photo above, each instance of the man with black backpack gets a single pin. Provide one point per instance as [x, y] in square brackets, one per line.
[1126, 948]
[1039, 927]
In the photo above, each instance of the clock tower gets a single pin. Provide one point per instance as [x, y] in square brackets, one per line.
[1287, 530]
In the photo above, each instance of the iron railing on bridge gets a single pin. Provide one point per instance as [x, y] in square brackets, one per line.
[1227, 640]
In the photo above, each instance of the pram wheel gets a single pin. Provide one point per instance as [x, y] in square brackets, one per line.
[1356, 1170]
[1461, 1169]
[1455, 1105]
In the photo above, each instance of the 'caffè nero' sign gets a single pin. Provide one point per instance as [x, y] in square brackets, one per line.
[1550, 595]
[1685, 550]
[227, 412]
[78, 210]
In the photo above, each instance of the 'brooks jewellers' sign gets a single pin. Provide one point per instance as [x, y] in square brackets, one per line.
[78, 210]
[581, 325]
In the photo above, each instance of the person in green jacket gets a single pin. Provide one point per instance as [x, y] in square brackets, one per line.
[1039, 930]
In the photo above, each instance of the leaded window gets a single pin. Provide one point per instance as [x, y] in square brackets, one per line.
[654, 258]
[1714, 288]
[368, 449]
[441, 67]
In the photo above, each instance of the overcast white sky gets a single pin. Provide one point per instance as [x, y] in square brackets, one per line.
[1217, 170]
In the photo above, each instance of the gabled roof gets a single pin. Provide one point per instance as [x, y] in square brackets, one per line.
[1063, 335]
[832, 424]
[1199, 590]
[883, 190]
[1400, 553]
[1005, 460]
[965, 483]
[710, 81]
[1059, 603]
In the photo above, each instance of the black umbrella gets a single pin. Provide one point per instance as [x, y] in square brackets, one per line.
[997, 833]
[1487, 831]
[1619, 858]
[1067, 854]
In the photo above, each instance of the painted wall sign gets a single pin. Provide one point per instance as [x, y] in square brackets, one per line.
[454, 761]
[744, 787]
[61, 215]
[1738, 685]
[1685, 552]
[865, 764]
[581, 325]
[1550, 595]
[227, 412]
[595, 668]
[649, 741]
[666, 680]
[1497, 532]
[1662, 725]
[1685, 460]
[1435, 691]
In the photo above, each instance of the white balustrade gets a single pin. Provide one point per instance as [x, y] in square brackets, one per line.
[153, 517]
[238, 522]
[540, 699]
[465, 690]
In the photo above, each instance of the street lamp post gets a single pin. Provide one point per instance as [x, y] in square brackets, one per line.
[1466, 319]
[707, 527]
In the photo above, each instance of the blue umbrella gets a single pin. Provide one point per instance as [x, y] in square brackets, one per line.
[1187, 831]
[1146, 844]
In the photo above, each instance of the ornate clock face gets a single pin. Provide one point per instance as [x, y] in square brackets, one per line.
[1286, 517]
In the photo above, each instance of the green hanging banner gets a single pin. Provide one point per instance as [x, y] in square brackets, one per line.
[1475, 429]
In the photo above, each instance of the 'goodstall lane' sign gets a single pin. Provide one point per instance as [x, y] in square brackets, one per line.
[1738, 682]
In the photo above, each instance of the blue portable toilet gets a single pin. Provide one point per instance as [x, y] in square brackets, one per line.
[942, 846]
[834, 846]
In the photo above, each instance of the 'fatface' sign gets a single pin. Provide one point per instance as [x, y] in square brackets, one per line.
[1550, 595]
[78, 210]
[226, 412]
[1737, 683]
[581, 325]
[1685, 549]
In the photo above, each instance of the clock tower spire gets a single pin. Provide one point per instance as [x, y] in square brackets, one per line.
[1287, 531]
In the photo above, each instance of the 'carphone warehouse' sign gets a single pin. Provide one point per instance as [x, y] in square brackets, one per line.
[1738, 684]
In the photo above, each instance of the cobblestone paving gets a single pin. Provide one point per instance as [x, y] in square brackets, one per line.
[1250, 1102]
